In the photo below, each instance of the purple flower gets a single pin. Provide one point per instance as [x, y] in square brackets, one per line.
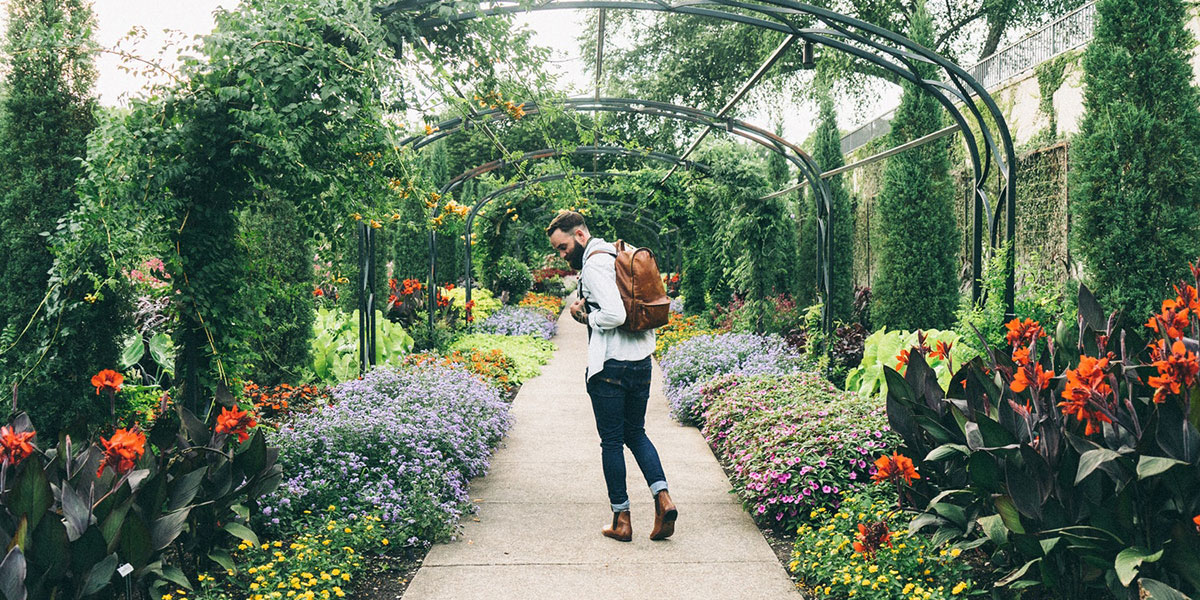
[520, 320]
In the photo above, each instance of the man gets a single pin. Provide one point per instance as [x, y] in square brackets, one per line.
[618, 374]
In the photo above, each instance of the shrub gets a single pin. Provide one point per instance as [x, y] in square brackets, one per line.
[890, 349]
[828, 565]
[1138, 90]
[484, 302]
[518, 320]
[1074, 461]
[512, 278]
[335, 344]
[917, 281]
[527, 353]
[394, 440]
[702, 357]
[793, 442]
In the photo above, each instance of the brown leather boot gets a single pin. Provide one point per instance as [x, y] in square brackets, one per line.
[664, 516]
[622, 529]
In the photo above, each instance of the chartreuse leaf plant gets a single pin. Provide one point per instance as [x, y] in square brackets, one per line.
[1071, 455]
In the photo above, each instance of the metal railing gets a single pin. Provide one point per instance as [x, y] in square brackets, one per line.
[1069, 32]
[1066, 33]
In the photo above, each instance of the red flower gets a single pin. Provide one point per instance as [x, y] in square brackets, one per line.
[122, 450]
[108, 380]
[1023, 333]
[318, 292]
[1031, 376]
[1179, 368]
[871, 538]
[1187, 297]
[894, 468]
[15, 447]
[1021, 356]
[941, 351]
[449, 287]
[1087, 394]
[235, 422]
[1196, 520]
[1172, 321]
[902, 359]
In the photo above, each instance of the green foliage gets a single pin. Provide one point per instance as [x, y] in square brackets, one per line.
[1134, 210]
[527, 352]
[1062, 465]
[907, 566]
[512, 278]
[46, 113]
[281, 266]
[73, 524]
[827, 152]
[485, 302]
[883, 348]
[917, 284]
[335, 344]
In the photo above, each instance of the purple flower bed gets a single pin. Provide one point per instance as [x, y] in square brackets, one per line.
[403, 442]
[793, 443]
[520, 320]
[691, 363]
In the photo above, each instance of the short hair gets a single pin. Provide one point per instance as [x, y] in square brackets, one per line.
[567, 221]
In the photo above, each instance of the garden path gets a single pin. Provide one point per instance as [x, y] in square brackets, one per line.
[537, 531]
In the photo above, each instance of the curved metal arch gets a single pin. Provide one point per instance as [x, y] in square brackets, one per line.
[767, 139]
[886, 49]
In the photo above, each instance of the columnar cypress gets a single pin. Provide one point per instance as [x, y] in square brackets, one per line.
[917, 286]
[45, 117]
[827, 152]
[1135, 178]
[787, 235]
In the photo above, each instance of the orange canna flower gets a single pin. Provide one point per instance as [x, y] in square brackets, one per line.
[1196, 520]
[15, 447]
[1087, 394]
[1031, 376]
[235, 422]
[941, 350]
[108, 380]
[902, 358]
[1175, 371]
[318, 292]
[894, 468]
[122, 450]
[1022, 333]
[1172, 321]
[1187, 297]
[871, 538]
[1021, 356]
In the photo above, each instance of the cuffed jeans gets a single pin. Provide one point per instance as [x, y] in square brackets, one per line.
[619, 394]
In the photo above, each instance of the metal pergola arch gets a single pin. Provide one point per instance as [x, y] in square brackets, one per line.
[494, 165]
[885, 49]
[640, 217]
[772, 142]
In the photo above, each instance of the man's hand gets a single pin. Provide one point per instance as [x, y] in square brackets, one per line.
[577, 311]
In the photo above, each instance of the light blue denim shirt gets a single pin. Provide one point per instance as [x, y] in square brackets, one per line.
[598, 286]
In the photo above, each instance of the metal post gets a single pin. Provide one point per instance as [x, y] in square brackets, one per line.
[977, 248]
[431, 286]
[363, 290]
[373, 330]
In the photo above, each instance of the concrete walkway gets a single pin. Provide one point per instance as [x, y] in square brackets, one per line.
[537, 533]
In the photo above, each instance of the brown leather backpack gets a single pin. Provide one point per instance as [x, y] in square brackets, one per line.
[641, 287]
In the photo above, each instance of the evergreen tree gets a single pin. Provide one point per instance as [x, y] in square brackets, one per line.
[917, 282]
[1136, 164]
[806, 248]
[788, 228]
[45, 117]
[827, 152]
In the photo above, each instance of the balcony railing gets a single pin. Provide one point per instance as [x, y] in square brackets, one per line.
[1071, 31]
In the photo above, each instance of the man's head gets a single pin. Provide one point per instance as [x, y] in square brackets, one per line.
[569, 235]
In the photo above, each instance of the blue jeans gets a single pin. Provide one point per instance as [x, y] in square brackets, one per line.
[619, 394]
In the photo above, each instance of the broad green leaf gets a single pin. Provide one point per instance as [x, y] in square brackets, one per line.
[994, 528]
[1157, 590]
[76, 511]
[1017, 574]
[946, 451]
[185, 487]
[133, 352]
[242, 532]
[163, 352]
[30, 495]
[166, 528]
[1149, 466]
[1130, 560]
[176, 576]
[99, 576]
[1008, 512]
[1091, 460]
[222, 558]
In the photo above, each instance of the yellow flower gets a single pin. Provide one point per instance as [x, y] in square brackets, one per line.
[347, 530]
[356, 217]
[958, 589]
[955, 552]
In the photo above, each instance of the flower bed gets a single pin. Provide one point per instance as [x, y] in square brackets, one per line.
[677, 329]
[403, 442]
[528, 353]
[492, 365]
[517, 320]
[864, 550]
[793, 443]
[553, 305]
[702, 357]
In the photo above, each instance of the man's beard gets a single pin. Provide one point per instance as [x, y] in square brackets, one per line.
[575, 256]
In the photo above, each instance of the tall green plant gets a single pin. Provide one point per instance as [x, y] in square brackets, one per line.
[1135, 166]
[827, 152]
[917, 285]
[45, 117]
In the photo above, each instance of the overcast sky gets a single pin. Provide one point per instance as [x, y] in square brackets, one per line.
[164, 21]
